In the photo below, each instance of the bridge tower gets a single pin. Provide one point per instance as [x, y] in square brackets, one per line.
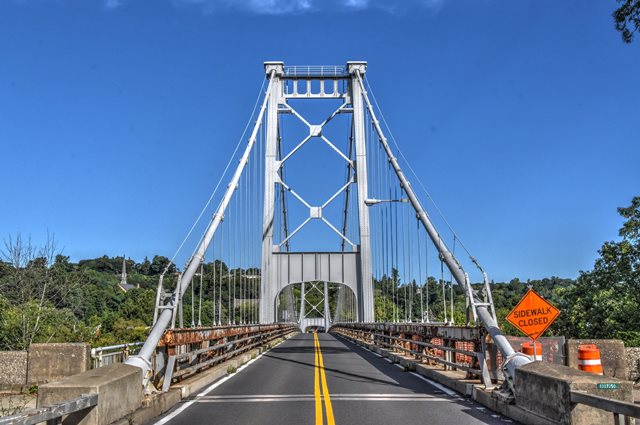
[352, 265]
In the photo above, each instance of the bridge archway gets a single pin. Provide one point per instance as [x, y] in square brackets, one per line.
[316, 304]
[288, 268]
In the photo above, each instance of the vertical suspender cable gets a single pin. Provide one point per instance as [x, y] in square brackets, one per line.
[193, 304]
[213, 282]
[200, 294]
[513, 360]
[444, 292]
[221, 255]
[451, 283]
[426, 273]
[229, 265]
[404, 256]
[420, 275]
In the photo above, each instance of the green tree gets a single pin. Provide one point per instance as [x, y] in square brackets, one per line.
[627, 19]
[605, 302]
[159, 263]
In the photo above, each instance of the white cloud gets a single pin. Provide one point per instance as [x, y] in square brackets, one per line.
[282, 7]
[356, 4]
[112, 4]
[260, 7]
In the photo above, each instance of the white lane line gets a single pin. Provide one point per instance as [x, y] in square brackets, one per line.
[362, 395]
[399, 365]
[209, 389]
[442, 400]
[311, 399]
[388, 360]
[435, 384]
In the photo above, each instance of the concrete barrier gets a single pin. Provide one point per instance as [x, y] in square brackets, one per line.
[13, 365]
[118, 387]
[633, 362]
[52, 362]
[612, 354]
[544, 389]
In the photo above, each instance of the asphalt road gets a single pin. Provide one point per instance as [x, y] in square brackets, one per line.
[339, 383]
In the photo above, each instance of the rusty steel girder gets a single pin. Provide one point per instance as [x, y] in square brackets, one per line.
[173, 338]
[458, 347]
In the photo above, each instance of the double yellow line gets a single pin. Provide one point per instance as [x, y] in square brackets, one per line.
[320, 378]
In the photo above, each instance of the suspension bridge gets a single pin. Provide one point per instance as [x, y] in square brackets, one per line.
[352, 285]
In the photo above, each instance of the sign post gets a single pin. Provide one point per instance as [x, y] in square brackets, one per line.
[532, 316]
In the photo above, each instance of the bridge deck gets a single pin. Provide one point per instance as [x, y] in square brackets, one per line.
[285, 385]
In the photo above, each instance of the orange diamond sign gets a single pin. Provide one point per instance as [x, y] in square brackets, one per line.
[533, 315]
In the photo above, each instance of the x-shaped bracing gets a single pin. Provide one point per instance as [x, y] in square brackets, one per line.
[315, 307]
[315, 212]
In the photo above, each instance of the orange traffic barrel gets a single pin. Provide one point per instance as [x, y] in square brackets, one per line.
[589, 359]
[527, 348]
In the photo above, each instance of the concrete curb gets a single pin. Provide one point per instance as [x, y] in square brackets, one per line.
[455, 381]
[160, 403]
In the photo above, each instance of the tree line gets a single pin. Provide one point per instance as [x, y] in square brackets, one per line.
[44, 297]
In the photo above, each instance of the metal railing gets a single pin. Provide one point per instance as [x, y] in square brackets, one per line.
[52, 414]
[315, 71]
[223, 351]
[622, 411]
[102, 356]
[407, 346]
[184, 352]
[454, 347]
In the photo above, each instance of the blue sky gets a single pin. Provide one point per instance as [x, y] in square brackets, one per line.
[521, 117]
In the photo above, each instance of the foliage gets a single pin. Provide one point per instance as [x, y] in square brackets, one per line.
[605, 302]
[44, 297]
[627, 19]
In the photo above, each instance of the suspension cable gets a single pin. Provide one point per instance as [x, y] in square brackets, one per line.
[444, 293]
[224, 172]
[213, 281]
[420, 274]
[369, 89]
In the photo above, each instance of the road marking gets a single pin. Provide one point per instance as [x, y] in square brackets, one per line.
[399, 366]
[362, 395]
[435, 384]
[312, 397]
[325, 388]
[208, 389]
[316, 383]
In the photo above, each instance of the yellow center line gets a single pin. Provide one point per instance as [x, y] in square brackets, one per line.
[316, 384]
[325, 388]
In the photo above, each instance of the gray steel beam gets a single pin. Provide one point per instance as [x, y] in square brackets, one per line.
[51, 413]
[268, 290]
[365, 283]
[143, 359]
[512, 359]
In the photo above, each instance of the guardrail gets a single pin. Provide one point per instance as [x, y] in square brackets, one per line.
[102, 356]
[454, 347]
[52, 414]
[622, 411]
[184, 352]
[315, 71]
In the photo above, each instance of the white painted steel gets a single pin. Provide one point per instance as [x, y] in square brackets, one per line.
[513, 359]
[143, 359]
